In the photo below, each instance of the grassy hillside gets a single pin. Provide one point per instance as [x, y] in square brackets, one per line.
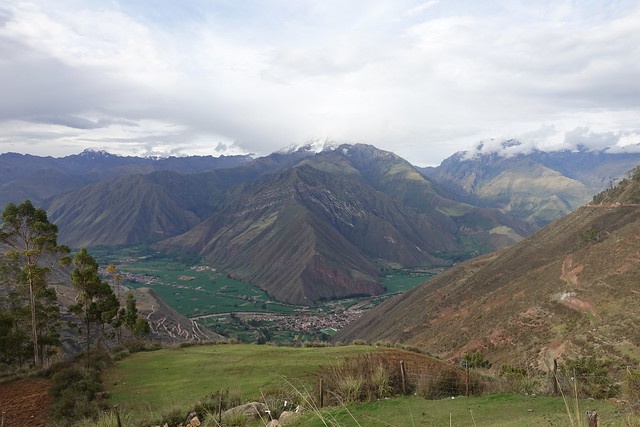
[146, 385]
[153, 380]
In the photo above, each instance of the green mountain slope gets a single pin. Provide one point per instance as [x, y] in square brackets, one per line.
[569, 289]
[127, 210]
[538, 186]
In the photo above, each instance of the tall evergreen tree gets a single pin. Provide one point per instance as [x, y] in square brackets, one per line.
[96, 303]
[32, 243]
[137, 325]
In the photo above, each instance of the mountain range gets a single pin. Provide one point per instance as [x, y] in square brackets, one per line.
[304, 226]
[569, 289]
[536, 186]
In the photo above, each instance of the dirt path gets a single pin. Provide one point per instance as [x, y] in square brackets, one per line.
[25, 402]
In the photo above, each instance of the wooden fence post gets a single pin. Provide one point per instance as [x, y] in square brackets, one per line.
[117, 416]
[592, 417]
[321, 392]
[404, 378]
[467, 379]
[555, 377]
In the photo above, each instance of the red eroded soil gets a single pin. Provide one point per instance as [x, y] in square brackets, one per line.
[25, 402]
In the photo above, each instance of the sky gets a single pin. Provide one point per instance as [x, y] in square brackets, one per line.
[423, 79]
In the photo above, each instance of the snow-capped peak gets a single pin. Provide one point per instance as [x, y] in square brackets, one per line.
[314, 145]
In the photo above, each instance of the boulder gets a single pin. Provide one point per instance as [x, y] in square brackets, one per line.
[252, 410]
[288, 417]
[274, 423]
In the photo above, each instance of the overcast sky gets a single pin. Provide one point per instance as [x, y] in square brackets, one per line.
[421, 78]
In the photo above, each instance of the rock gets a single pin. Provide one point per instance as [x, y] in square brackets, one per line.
[274, 423]
[195, 422]
[252, 410]
[288, 416]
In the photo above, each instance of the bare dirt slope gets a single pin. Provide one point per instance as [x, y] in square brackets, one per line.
[25, 402]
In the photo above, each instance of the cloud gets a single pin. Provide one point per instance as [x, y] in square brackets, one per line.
[420, 78]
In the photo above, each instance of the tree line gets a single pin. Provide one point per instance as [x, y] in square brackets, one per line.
[30, 316]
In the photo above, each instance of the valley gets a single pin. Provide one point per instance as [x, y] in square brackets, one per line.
[239, 310]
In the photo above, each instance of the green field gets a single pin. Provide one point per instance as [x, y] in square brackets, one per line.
[148, 384]
[501, 410]
[190, 290]
[182, 376]
[195, 290]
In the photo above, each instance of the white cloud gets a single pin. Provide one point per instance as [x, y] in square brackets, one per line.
[416, 77]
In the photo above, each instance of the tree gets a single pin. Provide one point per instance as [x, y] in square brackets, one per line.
[130, 312]
[96, 303]
[475, 360]
[14, 316]
[137, 325]
[32, 243]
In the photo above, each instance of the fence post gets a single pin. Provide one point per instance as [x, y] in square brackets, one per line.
[555, 377]
[592, 417]
[117, 416]
[4, 415]
[404, 378]
[467, 378]
[321, 392]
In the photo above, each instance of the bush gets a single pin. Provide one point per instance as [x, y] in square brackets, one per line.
[74, 390]
[587, 377]
[235, 419]
[444, 384]
[365, 377]
[276, 397]
[632, 388]
[517, 380]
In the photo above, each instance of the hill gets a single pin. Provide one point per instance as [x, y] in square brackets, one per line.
[536, 186]
[569, 289]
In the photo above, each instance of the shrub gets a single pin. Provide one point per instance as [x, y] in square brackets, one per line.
[632, 388]
[444, 384]
[350, 388]
[74, 390]
[235, 419]
[276, 397]
[588, 377]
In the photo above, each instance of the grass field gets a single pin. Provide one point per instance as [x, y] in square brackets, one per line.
[182, 376]
[149, 383]
[502, 410]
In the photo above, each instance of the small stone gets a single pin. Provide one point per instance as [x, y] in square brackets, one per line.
[195, 422]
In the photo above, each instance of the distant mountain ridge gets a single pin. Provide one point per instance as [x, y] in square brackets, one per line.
[537, 186]
[23, 176]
